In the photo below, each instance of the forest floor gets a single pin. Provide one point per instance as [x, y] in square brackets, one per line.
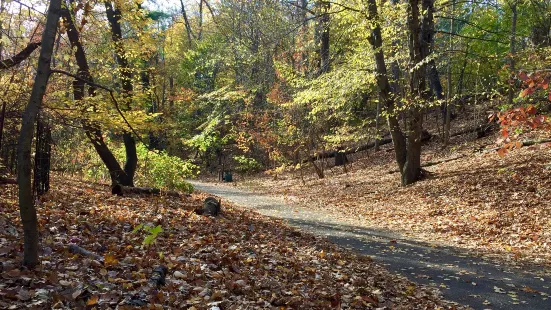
[236, 261]
[488, 205]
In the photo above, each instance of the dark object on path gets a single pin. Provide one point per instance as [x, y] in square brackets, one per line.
[211, 207]
[120, 190]
[158, 275]
[225, 176]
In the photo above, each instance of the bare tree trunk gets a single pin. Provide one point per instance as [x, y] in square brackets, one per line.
[325, 65]
[2, 118]
[383, 85]
[200, 33]
[378, 125]
[26, 204]
[462, 73]
[17, 59]
[186, 21]
[449, 93]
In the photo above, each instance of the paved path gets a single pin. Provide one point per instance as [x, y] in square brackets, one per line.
[462, 278]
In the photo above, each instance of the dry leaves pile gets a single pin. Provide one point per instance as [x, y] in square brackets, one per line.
[239, 260]
[499, 207]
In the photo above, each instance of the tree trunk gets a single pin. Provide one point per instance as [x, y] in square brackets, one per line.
[385, 93]
[512, 52]
[17, 59]
[114, 16]
[325, 65]
[462, 73]
[378, 125]
[94, 134]
[420, 40]
[2, 118]
[447, 118]
[186, 22]
[26, 203]
[42, 156]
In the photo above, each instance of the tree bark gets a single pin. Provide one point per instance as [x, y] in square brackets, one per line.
[93, 133]
[385, 92]
[325, 65]
[17, 59]
[512, 52]
[420, 40]
[26, 204]
[114, 16]
[447, 118]
[2, 118]
[186, 21]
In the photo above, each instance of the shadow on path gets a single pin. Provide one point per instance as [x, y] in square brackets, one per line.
[462, 278]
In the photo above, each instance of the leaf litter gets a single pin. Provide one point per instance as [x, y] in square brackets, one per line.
[236, 261]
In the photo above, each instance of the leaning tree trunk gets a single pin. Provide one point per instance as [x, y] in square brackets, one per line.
[114, 17]
[26, 203]
[94, 134]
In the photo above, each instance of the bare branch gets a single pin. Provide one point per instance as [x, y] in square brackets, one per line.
[111, 94]
[17, 59]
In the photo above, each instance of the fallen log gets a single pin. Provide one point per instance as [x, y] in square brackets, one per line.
[125, 190]
[75, 249]
[433, 163]
[330, 154]
[7, 181]
[482, 130]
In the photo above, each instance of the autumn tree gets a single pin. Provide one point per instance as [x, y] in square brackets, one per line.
[26, 202]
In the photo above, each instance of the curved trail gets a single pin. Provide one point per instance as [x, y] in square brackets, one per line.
[462, 278]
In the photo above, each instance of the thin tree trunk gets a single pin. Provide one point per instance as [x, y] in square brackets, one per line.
[187, 24]
[420, 40]
[449, 93]
[378, 125]
[200, 33]
[2, 117]
[512, 52]
[462, 73]
[26, 204]
[384, 88]
[19, 57]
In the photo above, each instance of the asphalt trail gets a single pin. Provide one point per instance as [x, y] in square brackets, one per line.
[462, 278]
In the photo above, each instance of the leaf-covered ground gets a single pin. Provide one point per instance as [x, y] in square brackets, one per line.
[490, 205]
[240, 260]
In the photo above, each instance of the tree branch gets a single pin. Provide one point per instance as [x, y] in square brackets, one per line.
[17, 59]
[470, 38]
[111, 94]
